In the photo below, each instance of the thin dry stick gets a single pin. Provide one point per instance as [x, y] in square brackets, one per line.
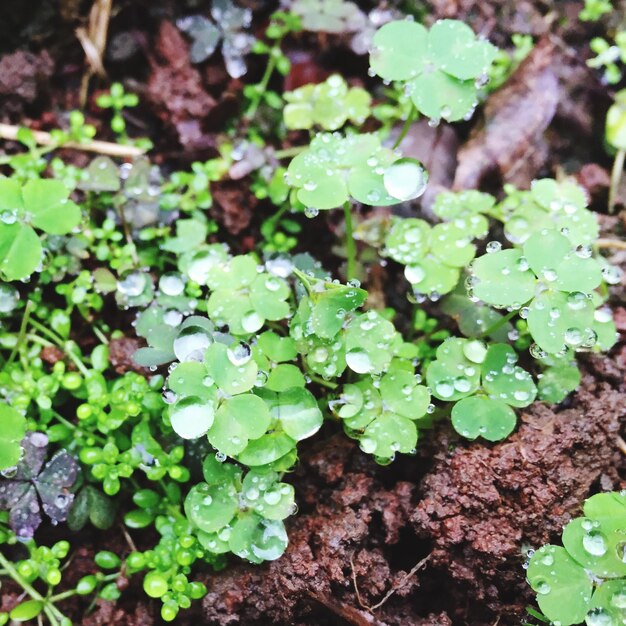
[93, 40]
[418, 566]
[621, 444]
[8, 131]
[618, 244]
[129, 539]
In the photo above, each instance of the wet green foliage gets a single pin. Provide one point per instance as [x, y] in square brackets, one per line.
[585, 580]
[328, 105]
[442, 68]
[245, 351]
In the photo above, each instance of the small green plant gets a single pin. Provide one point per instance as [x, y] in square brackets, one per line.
[328, 105]
[594, 10]
[442, 68]
[585, 579]
[39, 204]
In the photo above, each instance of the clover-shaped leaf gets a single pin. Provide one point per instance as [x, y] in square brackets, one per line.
[485, 417]
[242, 297]
[13, 431]
[31, 488]
[432, 255]
[455, 373]
[267, 496]
[329, 16]
[192, 416]
[231, 367]
[335, 168]
[440, 66]
[329, 105]
[40, 204]
[370, 341]
[384, 419]
[257, 539]
[230, 24]
[294, 410]
[550, 205]
[463, 368]
[239, 419]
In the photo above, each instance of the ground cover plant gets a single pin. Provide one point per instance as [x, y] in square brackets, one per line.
[164, 370]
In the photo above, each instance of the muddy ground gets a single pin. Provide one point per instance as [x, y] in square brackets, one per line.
[432, 540]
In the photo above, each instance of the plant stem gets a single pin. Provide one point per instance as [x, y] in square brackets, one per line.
[22, 332]
[289, 152]
[304, 280]
[262, 86]
[501, 322]
[616, 177]
[320, 381]
[405, 128]
[350, 243]
[61, 345]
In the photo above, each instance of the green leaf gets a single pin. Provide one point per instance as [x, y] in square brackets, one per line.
[503, 279]
[438, 95]
[257, 539]
[285, 376]
[11, 434]
[276, 348]
[505, 381]
[238, 420]
[47, 201]
[232, 368]
[402, 395]
[562, 585]
[597, 545]
[268, 497]
[396, 48]
[267, 449]
[557, 382]
[608, 601]
[556, 320]
[387, 434]
[191, 417]
[295, 410]
[20, 251]
[26, 610]
[455, 49]
[485, 417]
[211, 507]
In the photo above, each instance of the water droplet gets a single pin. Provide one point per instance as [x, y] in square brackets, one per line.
[171, 284]
[252, 321]
[359, 361]
[311, 211]
[239, 354]
[595, 543]
[191, 344]
[405, 179]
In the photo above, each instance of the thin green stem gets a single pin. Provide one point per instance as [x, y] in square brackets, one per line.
[61, 344]
[616, 177]
[320, 381]
[304, 280]
[350, 243]
[15, 575]
[261, 88]
[22, 332]
[501, 322]
[289, 152]
[405, 128]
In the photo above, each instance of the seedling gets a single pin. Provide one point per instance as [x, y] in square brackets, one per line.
[39, 204]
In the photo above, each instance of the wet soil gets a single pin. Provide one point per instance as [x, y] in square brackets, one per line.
[437, 539]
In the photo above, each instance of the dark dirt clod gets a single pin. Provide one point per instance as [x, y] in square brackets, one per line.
[121, 355]
[175, 89]
[22, 77]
